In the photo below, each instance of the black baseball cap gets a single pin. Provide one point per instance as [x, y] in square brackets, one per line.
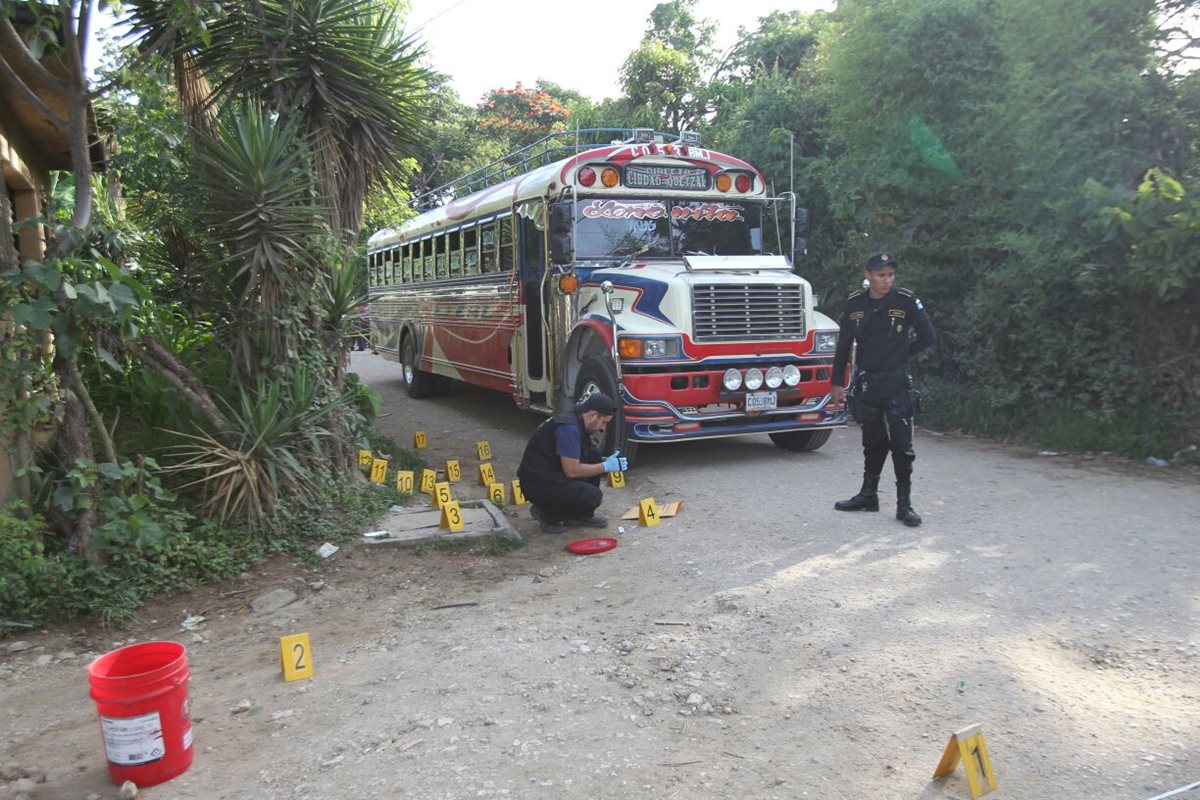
[880, 260]
[598, 402]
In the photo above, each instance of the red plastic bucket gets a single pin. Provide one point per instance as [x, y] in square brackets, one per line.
[141, 694]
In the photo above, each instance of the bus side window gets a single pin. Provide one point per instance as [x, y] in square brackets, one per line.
[506, 244]
[405, 264]
[439, 255]
[454, 242]
[427, 259]
[389, 274]
[487, 241]
[533, 244]
[470, 251]
[372, 267]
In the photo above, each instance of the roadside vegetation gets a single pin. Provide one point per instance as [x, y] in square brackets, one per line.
[175, 389]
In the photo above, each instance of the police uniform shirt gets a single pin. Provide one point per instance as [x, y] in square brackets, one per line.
[888, 332]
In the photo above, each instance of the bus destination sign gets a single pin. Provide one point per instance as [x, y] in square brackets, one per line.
[695, 178]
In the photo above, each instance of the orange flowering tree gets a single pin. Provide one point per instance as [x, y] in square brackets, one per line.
[521, 114]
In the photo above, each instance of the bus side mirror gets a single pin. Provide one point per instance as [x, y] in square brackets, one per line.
[561, 251]
[800, 252]
[560, 218]
[801, 220]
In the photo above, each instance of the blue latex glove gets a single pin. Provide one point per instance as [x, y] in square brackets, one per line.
[616, 462]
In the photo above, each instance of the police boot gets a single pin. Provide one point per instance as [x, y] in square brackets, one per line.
[866, 499]
[904, 509]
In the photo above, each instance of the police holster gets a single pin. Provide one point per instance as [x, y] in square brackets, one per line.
[862, 409]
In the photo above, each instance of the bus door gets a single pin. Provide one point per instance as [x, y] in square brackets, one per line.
[531, 264]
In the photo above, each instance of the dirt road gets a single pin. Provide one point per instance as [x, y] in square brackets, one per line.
[759, 645]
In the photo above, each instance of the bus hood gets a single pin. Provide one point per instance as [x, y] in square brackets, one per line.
[735, 263]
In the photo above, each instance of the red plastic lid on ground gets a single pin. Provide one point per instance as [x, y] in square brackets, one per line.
[586, 547]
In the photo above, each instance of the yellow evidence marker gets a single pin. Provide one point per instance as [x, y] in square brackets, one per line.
[483, 450]
[441, 494]
[378, 470]
[419, 441]
[428, 479]
[496, 493]
[296, 653]
[404, 481]
[365, 458]
[518, 495]
[616, 480]
[451, 516]
[453, 471]
[486, 475]
[968, 745]
[648, 513]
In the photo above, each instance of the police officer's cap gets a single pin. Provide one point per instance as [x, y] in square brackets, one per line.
[598, 402]
[879, 261]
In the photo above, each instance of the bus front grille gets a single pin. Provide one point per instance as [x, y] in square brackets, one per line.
[730, 312]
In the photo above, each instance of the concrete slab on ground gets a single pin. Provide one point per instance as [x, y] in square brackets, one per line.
[419, 525]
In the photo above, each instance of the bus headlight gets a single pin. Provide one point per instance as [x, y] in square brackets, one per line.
[732, 380]
[774, 377]
[633, 347]
[825, 342]
[661, 348]
[754, 379]
[791, 375]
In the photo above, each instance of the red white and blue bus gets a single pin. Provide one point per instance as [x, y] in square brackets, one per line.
[636, 268]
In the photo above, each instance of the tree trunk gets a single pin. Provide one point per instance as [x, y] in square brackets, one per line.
[75, 443]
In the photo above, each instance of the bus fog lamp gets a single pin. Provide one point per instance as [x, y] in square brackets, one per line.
[754, 379]
[774, 377]
[732, 380]
[791, 375]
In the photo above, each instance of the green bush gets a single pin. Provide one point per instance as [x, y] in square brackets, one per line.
[1136, 432]
[41, 581]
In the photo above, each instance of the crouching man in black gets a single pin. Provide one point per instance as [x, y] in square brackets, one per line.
[561, 469]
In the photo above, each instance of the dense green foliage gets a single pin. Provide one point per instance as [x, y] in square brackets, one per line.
[41, 580]
[182, 347]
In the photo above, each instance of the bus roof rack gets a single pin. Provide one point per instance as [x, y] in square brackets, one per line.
[547, 150]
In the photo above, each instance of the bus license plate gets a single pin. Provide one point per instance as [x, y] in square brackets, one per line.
[760, 401]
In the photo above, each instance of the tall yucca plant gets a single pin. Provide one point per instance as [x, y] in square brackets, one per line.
[261, 210]
[281, 426]
[343, 71]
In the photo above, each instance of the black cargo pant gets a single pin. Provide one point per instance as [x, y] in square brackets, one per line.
[884, 408]
[577, 499]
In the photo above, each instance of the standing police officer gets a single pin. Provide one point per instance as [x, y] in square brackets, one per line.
[889, 325]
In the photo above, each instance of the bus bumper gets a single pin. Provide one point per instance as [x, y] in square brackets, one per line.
[701, 412]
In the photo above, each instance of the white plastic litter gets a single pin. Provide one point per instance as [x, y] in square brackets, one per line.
[191, 622]
[327, 549]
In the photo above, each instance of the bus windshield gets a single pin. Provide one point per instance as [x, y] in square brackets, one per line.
[660, 228]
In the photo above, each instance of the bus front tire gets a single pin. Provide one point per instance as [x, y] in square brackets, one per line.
[801, 441]
[417, 384]
[597, 376]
